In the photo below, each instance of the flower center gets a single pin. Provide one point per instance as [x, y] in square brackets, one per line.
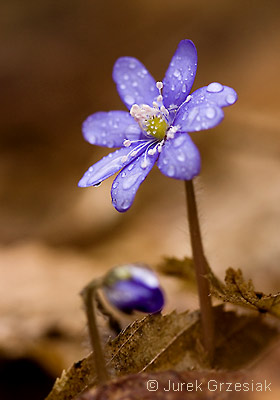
[156, 127]
[154, 121]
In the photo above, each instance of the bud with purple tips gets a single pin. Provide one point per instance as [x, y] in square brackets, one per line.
[133, 287]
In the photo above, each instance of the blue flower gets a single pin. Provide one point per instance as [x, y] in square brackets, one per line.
[155, 128]
[133, 287]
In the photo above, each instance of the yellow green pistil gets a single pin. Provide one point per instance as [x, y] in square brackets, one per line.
[156, 127]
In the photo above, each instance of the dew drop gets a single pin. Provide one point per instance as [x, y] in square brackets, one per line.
[123, 174]
[165, 161]
[231, 98]
[178, 141]
[210, 112]
[134, 84]
[171, 170]
[125, 204]
[177, 73]
[184, 88]
[181, 156]
[172, 88]
[126, 77]
[110, 144]
[90, 169]
[130, 181]
[214, 87]
[129, 99]
[92, 140]
[115, 185]
[122, 86]
[130, 167]
[132, 65]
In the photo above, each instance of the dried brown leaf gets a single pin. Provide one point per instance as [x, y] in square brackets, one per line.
[158, 343]
[237, 291]
[183, 269]
[134, 387]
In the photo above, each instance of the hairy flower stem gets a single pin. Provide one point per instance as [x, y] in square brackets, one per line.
[88, 294]
[201, 270]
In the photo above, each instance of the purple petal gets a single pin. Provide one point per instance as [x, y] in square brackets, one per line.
[180, 74]
[135, 85]
[128, 296]
[203, 110]
[127, 183]
[214, 93]
[180, 158]
[197, 118]
[108, 166]
[110, 129]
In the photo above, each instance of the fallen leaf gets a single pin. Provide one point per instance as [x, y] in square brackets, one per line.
[237, 291]
[173, 341]
[183, 269]
[135, 387]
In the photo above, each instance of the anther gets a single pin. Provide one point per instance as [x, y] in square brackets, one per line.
[159, 85]
[159, 98]
[127, 143]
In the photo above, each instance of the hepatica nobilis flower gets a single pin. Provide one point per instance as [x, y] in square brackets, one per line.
[133, 287]
[155, 130]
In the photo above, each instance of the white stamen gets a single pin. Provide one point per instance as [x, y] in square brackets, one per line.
[144, 164]
[127, 143]
[171, 131]
[155, 104]
[188, 98]
[159, 85]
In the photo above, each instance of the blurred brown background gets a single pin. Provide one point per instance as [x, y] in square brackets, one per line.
[55, 70]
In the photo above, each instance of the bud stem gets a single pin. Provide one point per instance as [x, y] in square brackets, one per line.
[88, 295]
[201, 269]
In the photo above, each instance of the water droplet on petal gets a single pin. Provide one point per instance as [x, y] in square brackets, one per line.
[122, 86]
[181, 156]
[214, 87]
[178, 141]
[210, 112]
[165, 161]
[123, 174]
[110, 144]
[126, 77]
[90, 169]
[129, 99]
[177, 74]
[231, 98]
[184, 88]
[115, 185]
[125, 204]
[130, 181]
[132, 65]
[130, 167]
[92, 140]
[134, 84]
[171, 170]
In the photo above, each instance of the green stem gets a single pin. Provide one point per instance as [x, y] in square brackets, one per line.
[88, 294]
[201, 269]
